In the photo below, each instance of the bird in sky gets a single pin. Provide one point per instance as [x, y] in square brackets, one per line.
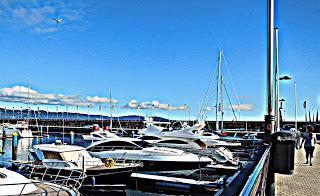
[57, 20]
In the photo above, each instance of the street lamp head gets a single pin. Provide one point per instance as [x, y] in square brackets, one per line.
[285, 78]
[281, 100]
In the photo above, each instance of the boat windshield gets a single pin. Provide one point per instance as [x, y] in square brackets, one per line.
[104, 134]
[75, 155]
[96, 135]
[52, 155]
[114, 145]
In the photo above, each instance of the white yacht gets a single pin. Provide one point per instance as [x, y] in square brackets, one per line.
[219, 154]
[183, 144]
[194, 132]
[153, 158]
[23, 130]
[99, 135]
[99, 174]
[13, 183]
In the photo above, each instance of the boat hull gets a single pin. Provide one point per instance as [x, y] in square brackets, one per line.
[99, 177]
[105, 178]
[171, 166]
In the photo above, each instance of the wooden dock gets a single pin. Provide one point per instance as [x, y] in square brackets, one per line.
[304, 181]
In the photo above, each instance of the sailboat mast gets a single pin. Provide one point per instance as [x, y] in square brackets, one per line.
[218, 85]
[110, 112]
[28, 101]
[222, 109]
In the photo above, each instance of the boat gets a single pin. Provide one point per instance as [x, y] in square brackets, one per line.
[99, 135]
[195, 132]
[218, 154]
[100, 175]
[22, 130]
[183, 144]
[7, 130]
[13, 183]
[153, 158]
[152, 129]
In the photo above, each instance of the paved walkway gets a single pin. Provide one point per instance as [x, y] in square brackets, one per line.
[305, 179]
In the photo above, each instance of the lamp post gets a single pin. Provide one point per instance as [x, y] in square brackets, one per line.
[280, 108]
[269, 117]
[277, 109]
[295, 106]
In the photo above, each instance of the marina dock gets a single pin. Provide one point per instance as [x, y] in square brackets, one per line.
[305, 179]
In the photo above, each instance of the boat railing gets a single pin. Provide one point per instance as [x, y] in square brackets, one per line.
[49, 181]
[163, 150]
[84, 163]
[44, 188]
[112, 148]
[64, 177]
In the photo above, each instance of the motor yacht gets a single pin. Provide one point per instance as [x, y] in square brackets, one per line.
[153, 158]
[100, 174]
[13, 183]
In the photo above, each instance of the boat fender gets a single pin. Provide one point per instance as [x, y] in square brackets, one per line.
[109, 162]
[93, 181]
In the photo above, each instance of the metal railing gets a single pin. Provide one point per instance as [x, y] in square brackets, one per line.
[61, 176]
[49, 181]
[257, 180]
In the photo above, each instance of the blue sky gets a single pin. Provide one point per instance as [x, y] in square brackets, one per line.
[163, 52]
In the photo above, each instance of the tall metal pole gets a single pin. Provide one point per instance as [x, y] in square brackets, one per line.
[305, 113]
[88, 111]
[269, 117]
[57, 112]
[295, 106]
[67, 112]
[77, 112]
[276, 105]
[28, 101]
[110, 112]
[217, 95]
[222, 111]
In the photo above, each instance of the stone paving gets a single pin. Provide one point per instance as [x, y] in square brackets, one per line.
[305, 179]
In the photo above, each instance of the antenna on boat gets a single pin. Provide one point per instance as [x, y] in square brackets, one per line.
[217, 95]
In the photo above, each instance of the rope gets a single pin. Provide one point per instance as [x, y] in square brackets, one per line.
[235, 116]
[233, 86]
[200, 116]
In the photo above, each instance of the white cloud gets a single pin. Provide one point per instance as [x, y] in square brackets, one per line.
[244, 107]
[20, 94]
[97, 99]
[19, 13]
[133, 104]
[45, 30]
[36, 15]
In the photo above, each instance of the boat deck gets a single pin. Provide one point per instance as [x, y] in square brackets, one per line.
[44, 189]
[305, 180]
